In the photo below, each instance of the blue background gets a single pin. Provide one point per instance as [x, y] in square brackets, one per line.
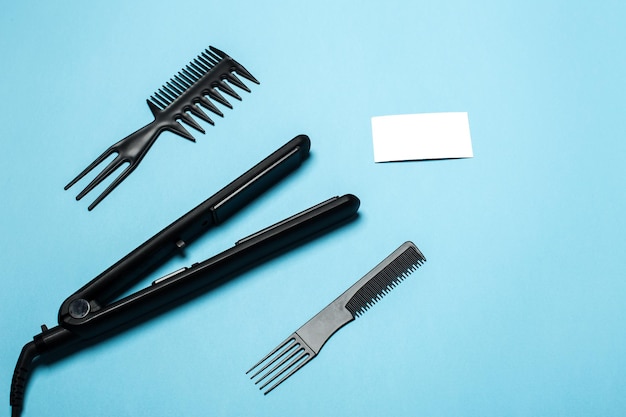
[520, 309]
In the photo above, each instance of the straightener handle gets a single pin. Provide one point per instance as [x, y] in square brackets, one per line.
[188, 283]
[213, 211]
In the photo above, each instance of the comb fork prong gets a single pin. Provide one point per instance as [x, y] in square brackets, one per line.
[90, 167]
[287, 358]
[267, 362]
[104, 174]
[291, 368]
[117, 181]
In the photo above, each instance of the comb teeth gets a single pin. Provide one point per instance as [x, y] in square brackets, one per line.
[195, 72]
[385, 280]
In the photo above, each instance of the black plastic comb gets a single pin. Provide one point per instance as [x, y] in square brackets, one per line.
[305, 343]
[198, 84]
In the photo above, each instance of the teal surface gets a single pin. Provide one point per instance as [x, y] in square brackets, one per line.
[520, 309]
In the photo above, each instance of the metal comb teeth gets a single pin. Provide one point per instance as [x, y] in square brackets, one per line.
[199, 84]
[386, 280]
[306, 342]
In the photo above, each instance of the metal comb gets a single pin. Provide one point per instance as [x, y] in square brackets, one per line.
[197, 84]
[306, 342]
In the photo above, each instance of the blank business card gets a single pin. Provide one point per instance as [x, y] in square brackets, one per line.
[421, 136]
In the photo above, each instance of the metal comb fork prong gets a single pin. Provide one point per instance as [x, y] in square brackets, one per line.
[288, 357]
[273, 356]
[292, 367]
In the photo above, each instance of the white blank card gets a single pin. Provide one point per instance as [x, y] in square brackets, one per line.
[421, 136]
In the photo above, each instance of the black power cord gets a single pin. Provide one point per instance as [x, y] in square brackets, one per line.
[20, 377]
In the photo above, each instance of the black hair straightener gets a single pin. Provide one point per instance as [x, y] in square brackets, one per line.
[91, 314]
